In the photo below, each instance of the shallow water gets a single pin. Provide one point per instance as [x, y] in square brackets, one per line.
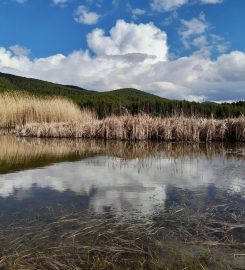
[192, 196]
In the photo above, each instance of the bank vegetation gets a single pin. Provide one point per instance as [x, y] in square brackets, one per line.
[57, 117]
[141, 127]
[21, 108]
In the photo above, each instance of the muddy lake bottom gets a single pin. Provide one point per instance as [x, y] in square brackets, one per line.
[77, 204]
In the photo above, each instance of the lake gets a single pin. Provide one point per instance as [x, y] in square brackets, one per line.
[76, 204]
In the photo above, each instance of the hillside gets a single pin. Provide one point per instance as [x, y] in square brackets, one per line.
[39, 87]
[115, 102]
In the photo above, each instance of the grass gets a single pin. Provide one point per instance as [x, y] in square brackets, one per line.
[20, 108]
[141, 127]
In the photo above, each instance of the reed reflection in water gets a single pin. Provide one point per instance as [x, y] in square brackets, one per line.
[119, 175]
[23, 153]
[75, 204]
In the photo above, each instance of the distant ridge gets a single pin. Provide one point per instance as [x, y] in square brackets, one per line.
[115, 101]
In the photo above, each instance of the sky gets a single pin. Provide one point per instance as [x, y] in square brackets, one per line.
[178, 49]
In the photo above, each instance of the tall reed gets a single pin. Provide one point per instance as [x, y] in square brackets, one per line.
[21, 108]
[142, 127]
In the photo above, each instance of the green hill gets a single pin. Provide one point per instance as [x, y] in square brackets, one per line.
[115, 102]
[17, 83]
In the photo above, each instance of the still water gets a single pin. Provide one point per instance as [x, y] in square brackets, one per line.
[145, 205]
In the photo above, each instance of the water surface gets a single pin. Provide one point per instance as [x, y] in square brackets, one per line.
[186, 202]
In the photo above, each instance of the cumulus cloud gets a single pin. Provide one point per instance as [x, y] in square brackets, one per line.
[84, 16]
[236, 60]
[126, 58]
[128, 38]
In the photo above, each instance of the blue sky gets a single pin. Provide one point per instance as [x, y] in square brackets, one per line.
[192, 49]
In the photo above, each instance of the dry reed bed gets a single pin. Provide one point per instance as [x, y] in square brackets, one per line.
[21, 108]
[141, 127]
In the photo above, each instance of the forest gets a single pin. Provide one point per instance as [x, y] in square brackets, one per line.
[117, 102]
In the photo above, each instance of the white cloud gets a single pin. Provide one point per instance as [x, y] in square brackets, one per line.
[211, 1]
[219, 43]
[197, 33]
[84, 16]
[200, 41]
[55, 2]
[128, 38]
[19, 50]
[126, 58]
[10, 61]
[20, 1]
[171, 18]
[234, 60]
[136, 12]
[190, 28]
[167, 5]
[60, 2]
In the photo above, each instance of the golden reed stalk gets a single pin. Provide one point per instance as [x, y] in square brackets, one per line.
[21, 108]
[141, 127]
[58, 117]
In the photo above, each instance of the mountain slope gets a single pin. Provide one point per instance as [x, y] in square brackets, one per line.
[115, 102]
[17, 83]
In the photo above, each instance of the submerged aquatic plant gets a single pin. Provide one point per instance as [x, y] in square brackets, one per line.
[200, 228]
[189, 233]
